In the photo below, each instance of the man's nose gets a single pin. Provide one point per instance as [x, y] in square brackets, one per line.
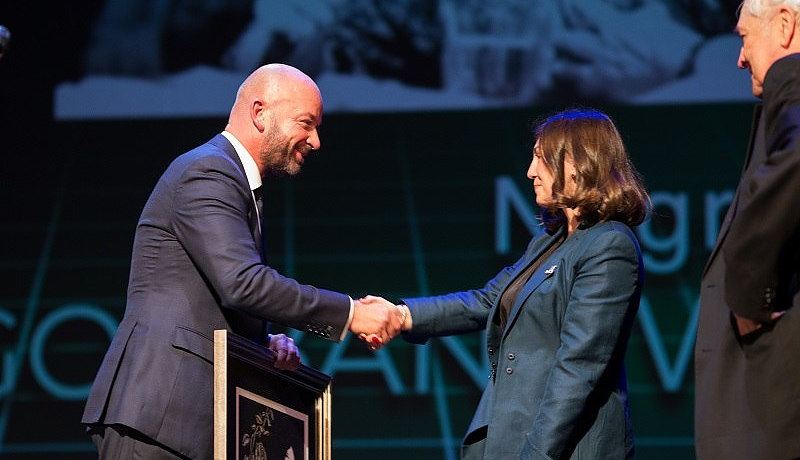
[313, 140]
[742, 62]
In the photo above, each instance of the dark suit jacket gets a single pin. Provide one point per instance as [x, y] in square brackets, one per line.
[196, 267]
[557, 386]
[747, 395]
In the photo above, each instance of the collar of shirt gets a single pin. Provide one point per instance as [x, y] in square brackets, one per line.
[250, 168]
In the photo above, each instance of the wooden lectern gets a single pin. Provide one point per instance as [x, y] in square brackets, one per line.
[263, 413]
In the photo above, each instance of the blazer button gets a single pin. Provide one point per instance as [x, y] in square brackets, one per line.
[509, 371]
[491, 350]
[511, 356]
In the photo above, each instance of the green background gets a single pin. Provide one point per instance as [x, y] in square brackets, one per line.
[396, 205]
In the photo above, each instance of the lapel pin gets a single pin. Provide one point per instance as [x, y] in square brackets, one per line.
[551, 270]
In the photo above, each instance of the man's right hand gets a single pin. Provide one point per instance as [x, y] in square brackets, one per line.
[747, 326]
[375, 317]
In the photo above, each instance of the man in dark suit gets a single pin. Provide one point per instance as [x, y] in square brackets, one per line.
[747, 356]
[197, 266]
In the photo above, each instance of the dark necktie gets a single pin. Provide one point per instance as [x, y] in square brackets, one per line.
[258, 193]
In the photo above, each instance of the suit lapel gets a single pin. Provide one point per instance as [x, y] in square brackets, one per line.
[756, 133]
[252, 216]
[534, 253]
[542, 273]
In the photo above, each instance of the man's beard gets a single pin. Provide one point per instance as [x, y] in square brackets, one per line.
[278, 157]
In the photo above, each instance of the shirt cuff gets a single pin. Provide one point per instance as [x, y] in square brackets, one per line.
[349, 320]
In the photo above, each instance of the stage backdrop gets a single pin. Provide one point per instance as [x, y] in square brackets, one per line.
[397, 205]
[399, 55]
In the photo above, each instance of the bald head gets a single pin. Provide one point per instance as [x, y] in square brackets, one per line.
[275, 116]
[273, 84]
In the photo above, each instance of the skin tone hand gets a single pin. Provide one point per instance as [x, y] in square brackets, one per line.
[378, 320]
[287, 356]
[401, 313]
[747, 326]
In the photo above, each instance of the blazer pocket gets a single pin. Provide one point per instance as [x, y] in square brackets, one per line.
[194, 342]
[474, 451]
[476, 435]
[758, 343]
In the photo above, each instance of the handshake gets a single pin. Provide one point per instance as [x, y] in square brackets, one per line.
[376, 320]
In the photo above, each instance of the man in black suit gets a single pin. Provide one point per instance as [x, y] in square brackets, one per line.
[747, 356]
[197, 266]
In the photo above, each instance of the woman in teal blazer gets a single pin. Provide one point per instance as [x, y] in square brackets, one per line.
[558, 320]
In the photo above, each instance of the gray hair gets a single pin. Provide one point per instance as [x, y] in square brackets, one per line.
[757, 8]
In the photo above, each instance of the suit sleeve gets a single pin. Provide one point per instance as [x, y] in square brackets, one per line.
[211, 223]
[458, 312]
[596, 325]
[767, 220]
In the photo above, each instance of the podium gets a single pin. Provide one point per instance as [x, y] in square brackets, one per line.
[263, 413]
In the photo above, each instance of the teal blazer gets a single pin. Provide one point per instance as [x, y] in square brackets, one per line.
[557, 386]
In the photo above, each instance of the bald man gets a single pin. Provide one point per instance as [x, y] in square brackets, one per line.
[197, 266]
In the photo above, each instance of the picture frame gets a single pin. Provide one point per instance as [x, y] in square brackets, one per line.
[261, 412]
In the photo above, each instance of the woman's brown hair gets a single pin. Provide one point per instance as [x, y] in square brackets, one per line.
[608, 187]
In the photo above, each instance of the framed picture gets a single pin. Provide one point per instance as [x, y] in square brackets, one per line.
[263, 413]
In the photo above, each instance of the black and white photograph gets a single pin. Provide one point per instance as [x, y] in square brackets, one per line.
[267, 430]
[409, 55]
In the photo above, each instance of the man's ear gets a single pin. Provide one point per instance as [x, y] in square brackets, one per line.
[787, 22]
[258, 114]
